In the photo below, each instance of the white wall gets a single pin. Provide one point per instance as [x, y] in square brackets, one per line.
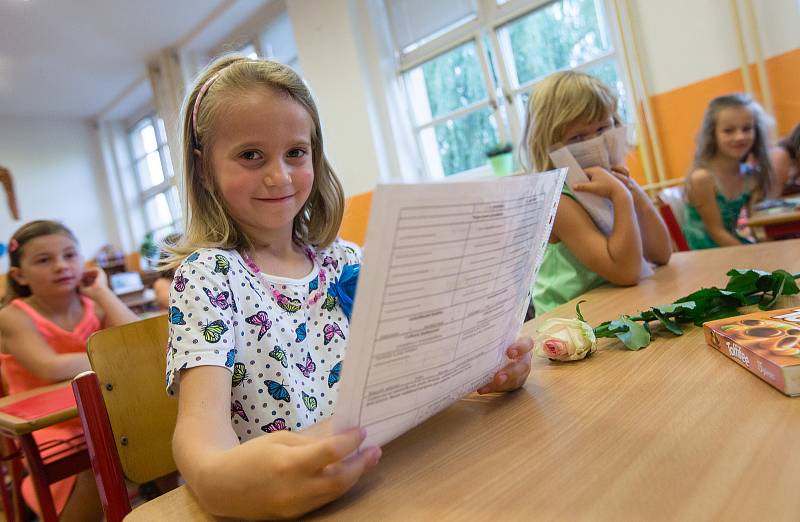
[332, 65]
[54, 164]
[685, 41]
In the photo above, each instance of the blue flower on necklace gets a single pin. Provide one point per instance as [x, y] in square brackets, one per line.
[344, 288]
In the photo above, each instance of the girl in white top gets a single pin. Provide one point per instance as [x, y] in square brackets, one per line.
[259, 307]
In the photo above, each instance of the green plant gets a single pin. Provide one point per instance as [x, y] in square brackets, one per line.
[500, 148]
[148, 249]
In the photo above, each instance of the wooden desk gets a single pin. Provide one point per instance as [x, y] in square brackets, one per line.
[777, 225]
[673, 432]
[15, 426]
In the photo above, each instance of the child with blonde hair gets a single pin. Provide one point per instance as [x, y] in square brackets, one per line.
[731, 171]
[258, 326]
[567, 108]
[51, 307]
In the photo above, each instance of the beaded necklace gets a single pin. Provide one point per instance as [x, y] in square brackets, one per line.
[281, 299]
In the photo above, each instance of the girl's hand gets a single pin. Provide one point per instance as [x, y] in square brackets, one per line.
[284, 474]
[515, 373]
[624, 176]
[93, 282]
[314, 471]
[601, 183]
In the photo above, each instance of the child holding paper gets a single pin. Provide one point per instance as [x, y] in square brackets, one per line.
[731, 171]
[574, 111]
[258, 330]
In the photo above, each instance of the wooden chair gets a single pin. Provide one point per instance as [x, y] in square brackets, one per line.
[670, 204]
[21, 415]
[356, 215]
[127, 416]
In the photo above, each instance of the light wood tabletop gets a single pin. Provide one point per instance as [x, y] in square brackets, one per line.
[15, 426]
[761, 219]
[675, 431]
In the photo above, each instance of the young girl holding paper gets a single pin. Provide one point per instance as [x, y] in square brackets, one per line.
[576, 111]
[258, 326]
[731, 171]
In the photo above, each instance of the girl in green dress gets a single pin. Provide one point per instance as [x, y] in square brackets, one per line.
[731, 171]
[570, 107]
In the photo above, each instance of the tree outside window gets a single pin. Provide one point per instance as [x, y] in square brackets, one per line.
[471, 96]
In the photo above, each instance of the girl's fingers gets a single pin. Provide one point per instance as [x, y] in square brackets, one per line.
[330, 450]
[621, 169]
[520, 347]
[337, 478]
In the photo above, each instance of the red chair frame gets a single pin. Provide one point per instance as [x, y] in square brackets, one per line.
[105, 461]
[674, 228]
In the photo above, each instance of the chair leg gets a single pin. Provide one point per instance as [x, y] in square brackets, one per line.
[7, 492]
[105, 460]
[38, 475]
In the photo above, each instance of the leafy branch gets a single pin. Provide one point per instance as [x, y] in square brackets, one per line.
[745, 288]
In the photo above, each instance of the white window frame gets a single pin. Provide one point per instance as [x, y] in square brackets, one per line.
[505, 97]
[169, 183]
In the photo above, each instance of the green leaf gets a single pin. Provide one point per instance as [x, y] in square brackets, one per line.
[635, 335]
[675, 307]
[775, 295]
[744, 281]
[789, 284]
[668, 323]
[578, 311]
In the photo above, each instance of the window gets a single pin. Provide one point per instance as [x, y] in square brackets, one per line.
[153, 170]
[468, 67]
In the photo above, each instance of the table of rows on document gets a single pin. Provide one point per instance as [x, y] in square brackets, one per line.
[446, 297]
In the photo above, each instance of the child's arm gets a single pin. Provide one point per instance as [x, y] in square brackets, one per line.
[277, 475]
[23, 341]
[616, 258]
[656, 243]
[702, 194]
[95, 286]
[162, 287]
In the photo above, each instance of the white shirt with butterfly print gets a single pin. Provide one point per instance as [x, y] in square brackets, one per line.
[284, 375]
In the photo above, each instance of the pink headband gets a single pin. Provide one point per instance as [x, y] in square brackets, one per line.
[13, 245]
[200, 94]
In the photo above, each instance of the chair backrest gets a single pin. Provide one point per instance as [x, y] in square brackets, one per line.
[356, 215]
[130, 364]
[675, 198]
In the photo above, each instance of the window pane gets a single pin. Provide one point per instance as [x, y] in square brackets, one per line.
[137, 141]
[448, 82]
[607, 72]
[154, 169]
[563, 34]
[461, 143]
[157, 210]
[148, 137]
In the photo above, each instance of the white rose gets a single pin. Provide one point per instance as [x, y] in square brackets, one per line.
[564, 340]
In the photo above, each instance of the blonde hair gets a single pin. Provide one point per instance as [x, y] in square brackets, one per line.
[707, 146]
[24, 234]
[208, 223]
[558, 102]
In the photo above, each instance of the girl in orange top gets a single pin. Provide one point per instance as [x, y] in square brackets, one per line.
[51, 307]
